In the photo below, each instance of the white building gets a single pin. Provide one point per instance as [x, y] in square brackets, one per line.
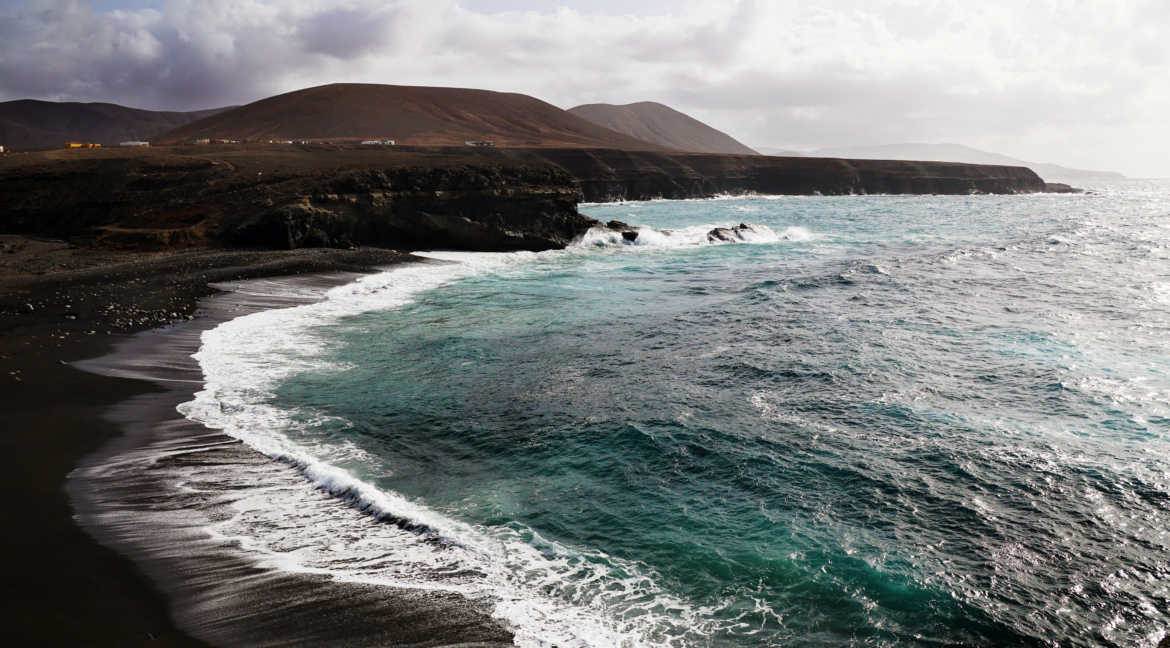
[1, 149]
[379, 142]
[480, 143]
[134, 144]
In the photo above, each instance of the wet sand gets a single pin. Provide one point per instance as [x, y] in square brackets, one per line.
[84, 383]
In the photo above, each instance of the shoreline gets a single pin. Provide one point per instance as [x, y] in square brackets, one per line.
[119, 399]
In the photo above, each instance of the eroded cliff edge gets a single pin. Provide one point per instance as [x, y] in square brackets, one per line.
[476, 199]
[291, 199]
[607, 175]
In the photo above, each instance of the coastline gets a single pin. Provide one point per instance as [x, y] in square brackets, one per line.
[68, 589]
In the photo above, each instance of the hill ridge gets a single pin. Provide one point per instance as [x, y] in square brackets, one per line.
[417, 115]
[34, 124]
[662, 125]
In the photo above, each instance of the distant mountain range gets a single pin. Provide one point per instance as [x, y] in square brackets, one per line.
[407, 115]
[654, 122]
[30, 124]
[953, 153]
[769, 150]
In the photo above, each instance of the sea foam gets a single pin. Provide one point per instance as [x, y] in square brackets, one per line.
[697, 235]
[548, 593]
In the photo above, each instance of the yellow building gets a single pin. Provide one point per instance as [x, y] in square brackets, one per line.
[73, 145]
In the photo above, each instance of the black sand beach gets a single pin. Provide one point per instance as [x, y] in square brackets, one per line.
[66, 589]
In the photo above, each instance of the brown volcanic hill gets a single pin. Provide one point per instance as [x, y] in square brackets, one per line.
[29, 124]
[663, 125]
[407, 115]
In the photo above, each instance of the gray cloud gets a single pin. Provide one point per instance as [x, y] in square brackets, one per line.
[1080, 83]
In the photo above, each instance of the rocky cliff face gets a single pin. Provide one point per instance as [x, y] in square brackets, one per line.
[154, 202]
[483, 209]
[606, 175]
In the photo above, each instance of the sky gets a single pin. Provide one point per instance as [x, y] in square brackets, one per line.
[1083, 83]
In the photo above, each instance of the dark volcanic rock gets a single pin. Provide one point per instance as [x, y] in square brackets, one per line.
[184, 201]
[485, 208]
[739, 233]
[607, 175]
[1059, 187]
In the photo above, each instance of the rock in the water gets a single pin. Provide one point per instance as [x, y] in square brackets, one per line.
[617, 225]
[739, 233]
[28, 308]
[722, 234]
[630, 235]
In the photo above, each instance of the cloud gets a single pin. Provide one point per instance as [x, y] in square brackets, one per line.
[1079, 82]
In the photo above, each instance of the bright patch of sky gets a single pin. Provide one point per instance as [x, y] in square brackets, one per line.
[599, 7]
[1084, 83]
[602, 7]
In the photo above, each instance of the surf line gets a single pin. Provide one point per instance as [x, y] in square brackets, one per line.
[244, 360]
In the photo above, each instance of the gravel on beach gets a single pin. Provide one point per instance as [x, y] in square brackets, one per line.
[59, 305]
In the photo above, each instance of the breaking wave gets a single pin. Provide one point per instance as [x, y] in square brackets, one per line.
[549, 593]
[722, 234]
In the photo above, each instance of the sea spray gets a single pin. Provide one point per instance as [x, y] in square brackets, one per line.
[696, 235]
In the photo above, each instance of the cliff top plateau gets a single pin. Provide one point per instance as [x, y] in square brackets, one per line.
[661, 125]
[407, 115]
[960, 153]
[29, 124]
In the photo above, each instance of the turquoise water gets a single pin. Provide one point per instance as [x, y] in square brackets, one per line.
[904, 421]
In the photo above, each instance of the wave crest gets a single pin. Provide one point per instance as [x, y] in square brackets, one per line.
[697, 235]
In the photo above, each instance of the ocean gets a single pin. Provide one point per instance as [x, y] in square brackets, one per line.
[875, 421]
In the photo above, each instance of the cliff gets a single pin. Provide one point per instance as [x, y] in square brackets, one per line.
[962, 154]
[288, 199]
[474, 199]
[605, 175]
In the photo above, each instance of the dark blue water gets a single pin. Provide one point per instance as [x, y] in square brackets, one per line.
[920, 421]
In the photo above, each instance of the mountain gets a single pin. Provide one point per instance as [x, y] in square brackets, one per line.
[408, 115]
[665, 126]
[768, 150]
[30, 124]
[959, 153]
